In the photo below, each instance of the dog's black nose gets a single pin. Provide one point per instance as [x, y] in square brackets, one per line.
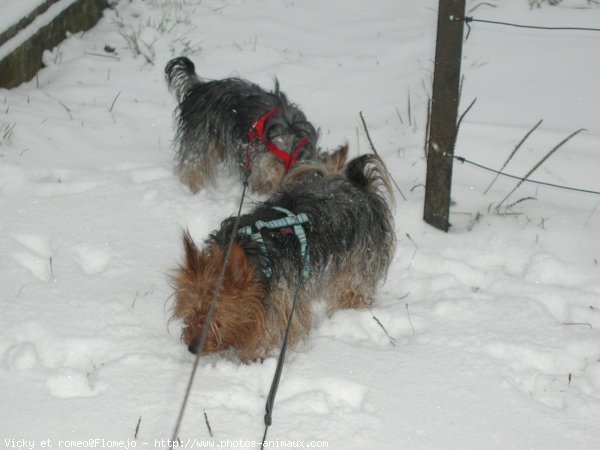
[193, 347]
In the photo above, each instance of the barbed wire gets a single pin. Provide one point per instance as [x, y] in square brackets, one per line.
[508, 175]
[469, 19]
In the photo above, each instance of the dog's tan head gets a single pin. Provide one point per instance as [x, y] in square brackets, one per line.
[239, 315]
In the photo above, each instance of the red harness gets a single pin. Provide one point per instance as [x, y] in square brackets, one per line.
[257, 131]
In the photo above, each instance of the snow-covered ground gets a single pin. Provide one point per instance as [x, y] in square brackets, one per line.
[494, 338]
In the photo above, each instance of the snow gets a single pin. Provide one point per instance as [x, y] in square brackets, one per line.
[39, 22]
[493, 328]
[15, 10]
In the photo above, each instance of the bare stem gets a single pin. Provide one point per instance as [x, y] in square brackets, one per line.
[540, 162]
[377, 153]
[513, 154]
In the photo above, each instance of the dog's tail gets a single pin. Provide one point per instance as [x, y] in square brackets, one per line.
[180, 74]
[370, 173]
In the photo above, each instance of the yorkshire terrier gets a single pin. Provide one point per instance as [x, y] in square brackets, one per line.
[324, 235]
[237, 123]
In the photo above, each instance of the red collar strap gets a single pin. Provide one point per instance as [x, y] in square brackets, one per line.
[257, 131]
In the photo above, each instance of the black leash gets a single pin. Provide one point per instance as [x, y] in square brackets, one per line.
[209, 316]
[268, 418]
[281, 359]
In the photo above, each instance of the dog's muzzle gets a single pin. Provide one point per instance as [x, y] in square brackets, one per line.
[193, 347]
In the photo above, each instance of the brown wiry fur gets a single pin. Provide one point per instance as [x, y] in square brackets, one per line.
[201, 172]
[330, 163]
[248, 318]
[237, 322]
[267, 174]
[240, 321]
[252, 307]
[348, 290]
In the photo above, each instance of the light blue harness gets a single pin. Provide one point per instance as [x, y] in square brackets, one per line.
[291, 220]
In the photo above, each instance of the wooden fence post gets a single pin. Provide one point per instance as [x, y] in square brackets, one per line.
[444, 112]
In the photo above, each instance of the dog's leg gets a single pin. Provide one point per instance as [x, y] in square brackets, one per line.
[266, 174]
[278, 306]
[197, 164]
[349, 288]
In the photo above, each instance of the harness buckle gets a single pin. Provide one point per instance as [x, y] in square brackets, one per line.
[288, 225]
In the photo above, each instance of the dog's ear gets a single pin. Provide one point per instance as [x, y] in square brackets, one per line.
[336, 161]
[192, 255]
[237, 259]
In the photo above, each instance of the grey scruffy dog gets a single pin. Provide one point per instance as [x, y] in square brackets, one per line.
[236, 122]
